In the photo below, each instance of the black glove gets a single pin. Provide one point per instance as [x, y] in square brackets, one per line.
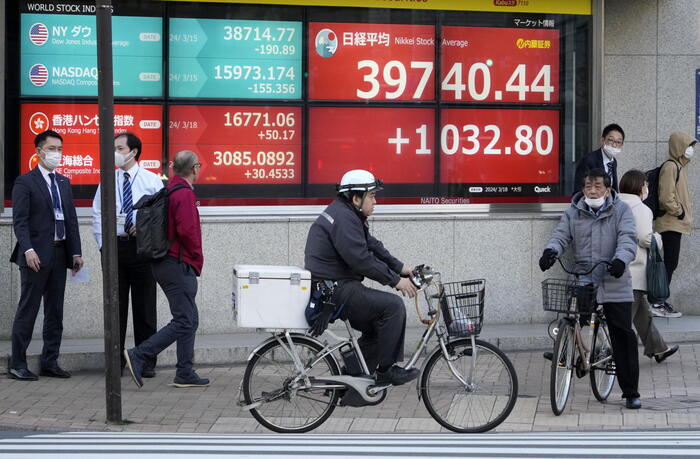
[548, 258]
[617, 268]
[323, 317]
[682, 215]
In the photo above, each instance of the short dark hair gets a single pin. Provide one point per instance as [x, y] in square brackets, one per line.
[41, 137]
[613, 127]
[597, 173]
[133, 142]
[632, 182]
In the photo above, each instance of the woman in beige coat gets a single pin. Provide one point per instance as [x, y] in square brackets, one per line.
[674, 200]
[633, 189]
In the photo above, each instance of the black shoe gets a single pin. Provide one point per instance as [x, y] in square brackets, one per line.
[396, 375]
[148, 373]
[55, 372]
[548, 355]
[633, 403]
[21, 374]
[666, 354]
[191, 381]
[135, 365]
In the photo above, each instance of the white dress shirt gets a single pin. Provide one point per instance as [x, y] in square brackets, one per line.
[143, 182]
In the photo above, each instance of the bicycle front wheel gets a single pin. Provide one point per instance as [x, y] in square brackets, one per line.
[602, 366]
[482, 399]
[562, 366]
[288, 405]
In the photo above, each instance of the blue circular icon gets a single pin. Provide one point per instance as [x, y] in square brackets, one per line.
[326, 43]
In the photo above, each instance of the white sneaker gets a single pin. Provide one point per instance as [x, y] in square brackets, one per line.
[670, 312]
[664, 310]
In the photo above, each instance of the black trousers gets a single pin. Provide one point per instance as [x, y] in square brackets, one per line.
[136, 276]
[672, 249]
[380, 316]
[624, 343]
[50, 284]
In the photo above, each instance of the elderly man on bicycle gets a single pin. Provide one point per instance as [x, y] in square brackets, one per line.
[340, 250]
[599, 226]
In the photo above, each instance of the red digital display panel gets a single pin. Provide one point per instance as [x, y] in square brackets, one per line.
[78, 124]
[240, 145]
[481, 64]
[499, 146]
[371, 61]
[396, 144]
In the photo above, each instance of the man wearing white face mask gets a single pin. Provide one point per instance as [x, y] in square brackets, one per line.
[599, 226]
[48, 242]
[135, 274]
[674, 200]
[604, 158]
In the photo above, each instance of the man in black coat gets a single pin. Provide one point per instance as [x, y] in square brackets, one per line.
[48, 243]
[340, 249]
[603, 158]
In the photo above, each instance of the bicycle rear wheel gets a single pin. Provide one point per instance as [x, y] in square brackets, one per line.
[289, 406]
[602, 366]
[482, 404]
[562, 366]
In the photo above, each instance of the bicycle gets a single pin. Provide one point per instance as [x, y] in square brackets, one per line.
[575, 298]
[293, 382]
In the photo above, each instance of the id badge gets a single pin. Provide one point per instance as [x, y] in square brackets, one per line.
[58, 215]
[121, 219]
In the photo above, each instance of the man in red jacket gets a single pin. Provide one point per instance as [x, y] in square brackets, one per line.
[177, 275]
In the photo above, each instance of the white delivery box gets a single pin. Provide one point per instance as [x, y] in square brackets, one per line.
[271, 296]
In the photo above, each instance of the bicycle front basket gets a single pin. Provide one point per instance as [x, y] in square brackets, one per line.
[568, 296]
[462, 305]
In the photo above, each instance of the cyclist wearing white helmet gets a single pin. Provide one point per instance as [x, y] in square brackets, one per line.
[340, 249]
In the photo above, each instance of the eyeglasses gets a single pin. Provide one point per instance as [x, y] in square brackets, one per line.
[613, 142]
[197, 165]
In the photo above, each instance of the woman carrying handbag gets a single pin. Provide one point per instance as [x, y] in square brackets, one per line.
[633, 190]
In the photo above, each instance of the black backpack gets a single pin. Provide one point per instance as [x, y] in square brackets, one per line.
[152, 224]
[652, 201]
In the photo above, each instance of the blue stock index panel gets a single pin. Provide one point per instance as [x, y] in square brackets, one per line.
[237, 59]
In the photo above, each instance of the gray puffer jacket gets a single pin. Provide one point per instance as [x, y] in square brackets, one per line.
[609, 235]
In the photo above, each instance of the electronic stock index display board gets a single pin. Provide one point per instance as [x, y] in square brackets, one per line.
[279, 99]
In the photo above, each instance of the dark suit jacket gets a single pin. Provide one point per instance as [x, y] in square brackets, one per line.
[592, 160]
[34, 220]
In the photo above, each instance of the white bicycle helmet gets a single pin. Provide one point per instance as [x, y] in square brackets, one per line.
[359, 180]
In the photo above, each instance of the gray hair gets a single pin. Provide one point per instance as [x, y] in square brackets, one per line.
[183, 163]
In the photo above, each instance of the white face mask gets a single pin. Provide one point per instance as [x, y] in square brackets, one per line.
[689, 152]
[611, 151]
[52, 159]
[120, 160]
[595, 203]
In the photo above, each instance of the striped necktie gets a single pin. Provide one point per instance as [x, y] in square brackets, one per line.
[60, 224]
[127, 204]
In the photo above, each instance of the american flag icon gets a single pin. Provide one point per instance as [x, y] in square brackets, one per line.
[38, 34]
[38, 74]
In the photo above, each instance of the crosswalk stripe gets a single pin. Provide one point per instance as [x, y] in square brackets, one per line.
[81, 445]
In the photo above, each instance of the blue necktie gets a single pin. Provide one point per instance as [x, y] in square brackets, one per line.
[127, 204]
[60, 224]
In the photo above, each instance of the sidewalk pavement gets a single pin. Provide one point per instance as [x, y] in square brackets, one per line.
[670, 391]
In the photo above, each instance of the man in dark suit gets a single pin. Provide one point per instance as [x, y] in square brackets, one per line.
[48, 242]
[603, 158]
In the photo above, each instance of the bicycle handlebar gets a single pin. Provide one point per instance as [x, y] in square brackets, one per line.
[595, 265]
